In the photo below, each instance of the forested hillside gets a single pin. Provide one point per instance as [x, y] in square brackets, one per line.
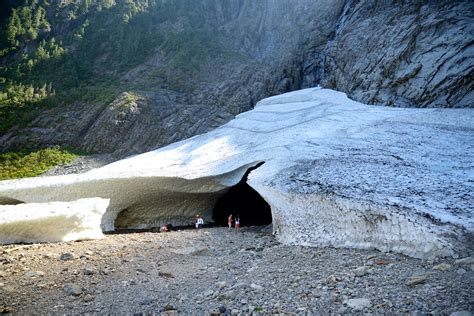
[86, 73]
[57, 51]
[127, 76]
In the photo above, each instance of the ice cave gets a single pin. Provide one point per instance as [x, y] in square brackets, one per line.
[242, 200]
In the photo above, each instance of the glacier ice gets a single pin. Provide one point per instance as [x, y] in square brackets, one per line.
[336, 173]
[53, 221]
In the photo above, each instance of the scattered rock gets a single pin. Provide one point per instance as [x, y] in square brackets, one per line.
[168, 307]
[208, 293]
[51, 255]
[67, 256]
[461, 313]
[165, 274]
[229, 296]
[381, 261]
[72, 289]
[465, 261]
[256, 287]
[273, 287]
[193, 251]
[88, 271]
[357, 303]
[414, 280]
[442, 267]
[34, 274]
[105, 271]
[214, 312]
[332, 279]
[147, 301]
[6, 259]
[6, 310]
[361, 271]
[218, 311]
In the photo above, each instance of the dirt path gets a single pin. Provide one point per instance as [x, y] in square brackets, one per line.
[204, 271]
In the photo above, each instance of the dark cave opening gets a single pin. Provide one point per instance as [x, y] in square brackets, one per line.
[242, 200]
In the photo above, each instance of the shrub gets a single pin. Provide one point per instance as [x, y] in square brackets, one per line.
[23, 164]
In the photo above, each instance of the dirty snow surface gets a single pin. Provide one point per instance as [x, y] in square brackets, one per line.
[52, 222]
[336, 173]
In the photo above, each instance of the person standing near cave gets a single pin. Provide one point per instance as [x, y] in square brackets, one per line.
[229, 221]
[200, 222]
[196, 221]
[237, 223]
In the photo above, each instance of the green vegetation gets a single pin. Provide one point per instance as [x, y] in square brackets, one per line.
[20, 103]
[127, 99]
[30, 164]
[59, 52]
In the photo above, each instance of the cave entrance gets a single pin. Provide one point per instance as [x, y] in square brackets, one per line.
[242, 200]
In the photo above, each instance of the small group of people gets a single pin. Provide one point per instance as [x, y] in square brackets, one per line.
[167, 228]
[236, 222]
[199, 222]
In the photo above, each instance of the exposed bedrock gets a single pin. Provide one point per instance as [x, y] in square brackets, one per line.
[419, 53]
[336, 172]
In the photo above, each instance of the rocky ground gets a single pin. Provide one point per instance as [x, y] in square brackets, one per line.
[80, 165]
[215, 270]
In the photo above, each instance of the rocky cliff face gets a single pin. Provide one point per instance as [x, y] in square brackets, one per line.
[406, 54]
[418, 54]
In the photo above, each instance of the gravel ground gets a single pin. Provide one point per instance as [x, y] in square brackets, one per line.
[80, 165]
[215, 270]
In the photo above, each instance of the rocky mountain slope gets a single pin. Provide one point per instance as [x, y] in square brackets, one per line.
[177, 69]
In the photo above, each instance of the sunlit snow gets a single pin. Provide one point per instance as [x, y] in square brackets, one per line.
[336, 172]
[52, 222]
